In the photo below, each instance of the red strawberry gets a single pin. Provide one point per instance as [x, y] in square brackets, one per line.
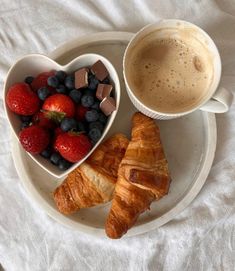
[34, 139]
[80, 112]
[73, 147]
[59, 104]
[43, 119]
[41, 80]
[58, 131]
[22, 100]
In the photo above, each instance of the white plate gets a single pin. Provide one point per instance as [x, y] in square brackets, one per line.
[189, 144]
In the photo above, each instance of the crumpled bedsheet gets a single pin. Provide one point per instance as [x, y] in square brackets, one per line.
[202, 237]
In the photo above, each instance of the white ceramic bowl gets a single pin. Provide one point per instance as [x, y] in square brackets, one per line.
[34, 64]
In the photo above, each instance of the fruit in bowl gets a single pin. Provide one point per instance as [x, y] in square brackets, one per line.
[62, 114]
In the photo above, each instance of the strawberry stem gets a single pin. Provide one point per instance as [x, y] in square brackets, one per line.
[72, 132]
[55, 116]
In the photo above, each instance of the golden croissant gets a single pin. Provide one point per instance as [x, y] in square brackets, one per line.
[93, 182]
[143, 177]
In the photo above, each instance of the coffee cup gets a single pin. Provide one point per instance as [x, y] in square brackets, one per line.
[172, 68]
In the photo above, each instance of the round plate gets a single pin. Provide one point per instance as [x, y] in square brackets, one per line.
[189, 143]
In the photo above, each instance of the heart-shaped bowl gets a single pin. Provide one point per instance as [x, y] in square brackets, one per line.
[34, 64]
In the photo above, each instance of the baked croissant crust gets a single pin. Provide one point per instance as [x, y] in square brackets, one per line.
[143, 177]
[93, 182]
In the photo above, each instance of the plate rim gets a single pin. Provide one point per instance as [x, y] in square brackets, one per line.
[209, 119]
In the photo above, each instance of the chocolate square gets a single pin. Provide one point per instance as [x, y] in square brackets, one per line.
[103, 90]
[81, 78]
[99, 70]
[108, 105]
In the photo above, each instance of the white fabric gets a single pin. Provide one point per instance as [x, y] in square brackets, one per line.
[202, 237]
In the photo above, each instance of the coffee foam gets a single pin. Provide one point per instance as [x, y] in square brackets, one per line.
[169, 74]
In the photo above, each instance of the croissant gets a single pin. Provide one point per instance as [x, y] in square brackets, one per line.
[93, 182]
[143, 177]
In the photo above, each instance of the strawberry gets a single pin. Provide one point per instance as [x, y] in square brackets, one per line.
[71, 146]
[58, 131]
[22, 100]
[60, 106]
[81, 112]
[41, 81]
[43, 119]
[34, 139]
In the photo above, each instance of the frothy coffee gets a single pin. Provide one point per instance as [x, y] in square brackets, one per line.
[169, 75]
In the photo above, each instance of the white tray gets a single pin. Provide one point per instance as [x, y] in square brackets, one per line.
[189, 144]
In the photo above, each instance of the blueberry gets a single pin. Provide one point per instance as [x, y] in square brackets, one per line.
[96, 124]
[81, 127]
[63, 164]
[96, 105]
[95, 134]
[43, 93]
[87, 100]
[55, 158]
[61, 89]
[46, 153]
[53, 81]
[69, 81]
[68, 124]
[91, 115]
[92, 82]
[75, 95]
[26, 118]
[102, 118]
[24, 124]
[106, 81]
[88, 91]
[28, 79]
[60, 75]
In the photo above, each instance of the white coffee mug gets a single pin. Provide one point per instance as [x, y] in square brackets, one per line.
[217, 100]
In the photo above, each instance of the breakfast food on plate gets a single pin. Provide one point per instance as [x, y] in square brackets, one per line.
[143, 177]
[99, 70]
[72, 146]
[34, 139]
[94, 180]
[59, 106]
[137, 171]
[103, 91]
[81, 78]
[22, 100]
[107, 105]
[62, 115]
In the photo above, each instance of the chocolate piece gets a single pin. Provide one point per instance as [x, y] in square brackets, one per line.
[81, 78]
[99, 70]
[103, 91]
[108, 105]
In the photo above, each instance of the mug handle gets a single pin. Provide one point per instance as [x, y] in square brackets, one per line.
[220, 102]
